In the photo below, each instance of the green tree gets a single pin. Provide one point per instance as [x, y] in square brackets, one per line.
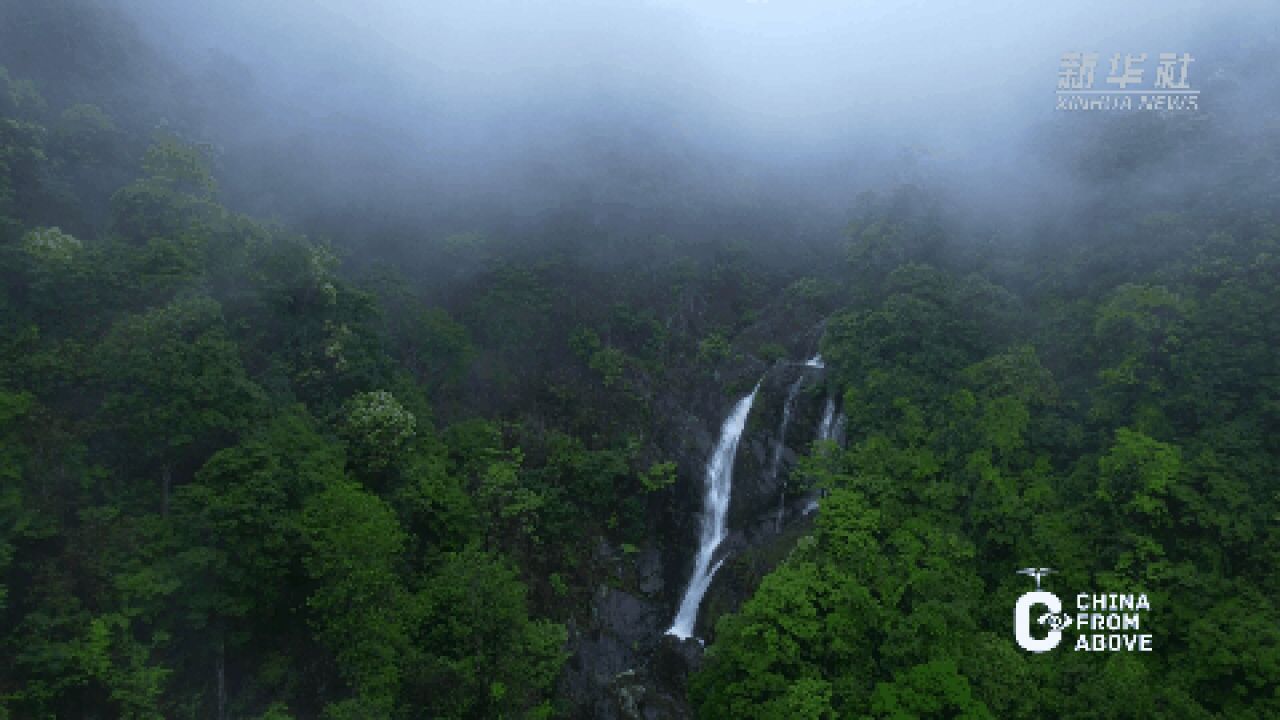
[175, 389]
[359, 606]
[477, 651]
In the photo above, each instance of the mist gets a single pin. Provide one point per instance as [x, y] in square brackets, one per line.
[636, 110]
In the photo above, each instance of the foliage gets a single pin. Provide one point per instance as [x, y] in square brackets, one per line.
[1099, 433]
[378, 428]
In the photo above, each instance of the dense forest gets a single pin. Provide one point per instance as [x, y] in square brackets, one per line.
[258, 463]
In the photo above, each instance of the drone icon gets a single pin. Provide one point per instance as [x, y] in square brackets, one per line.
[1037, 573]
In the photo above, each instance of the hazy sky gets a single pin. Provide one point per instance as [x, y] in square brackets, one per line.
[531, 97]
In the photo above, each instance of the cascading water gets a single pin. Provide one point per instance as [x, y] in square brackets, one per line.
[813, 362]
[782, 438]
[719, 480]
[827, 428]
[782, 429]
[830, 429]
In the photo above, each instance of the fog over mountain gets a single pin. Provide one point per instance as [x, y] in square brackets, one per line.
[532, 106]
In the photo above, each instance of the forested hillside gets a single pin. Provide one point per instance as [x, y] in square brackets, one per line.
[1122, 431]
[333, 465]
[227, 490]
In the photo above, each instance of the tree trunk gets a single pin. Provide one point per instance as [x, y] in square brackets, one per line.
[166, 480]
[222, 676]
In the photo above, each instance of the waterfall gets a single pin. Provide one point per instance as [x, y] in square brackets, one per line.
[719, 481]
[827, 428]
[813, 362]
[782, 429]
[782, 440]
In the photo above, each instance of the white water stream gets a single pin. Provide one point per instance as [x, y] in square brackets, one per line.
[719, 481]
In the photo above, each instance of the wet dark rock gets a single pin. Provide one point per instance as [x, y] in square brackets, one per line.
[623, 631]
[640, 697]
[756, 487]
[649, 570]
[627, 617]
[675, 660]
[623, 667]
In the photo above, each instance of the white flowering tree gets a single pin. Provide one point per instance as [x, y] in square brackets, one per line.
[378, 428]
[51, 245]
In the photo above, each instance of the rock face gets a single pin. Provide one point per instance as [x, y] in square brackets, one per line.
[622, 627]
[767, 512]
[759, 482]
[622, 665]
